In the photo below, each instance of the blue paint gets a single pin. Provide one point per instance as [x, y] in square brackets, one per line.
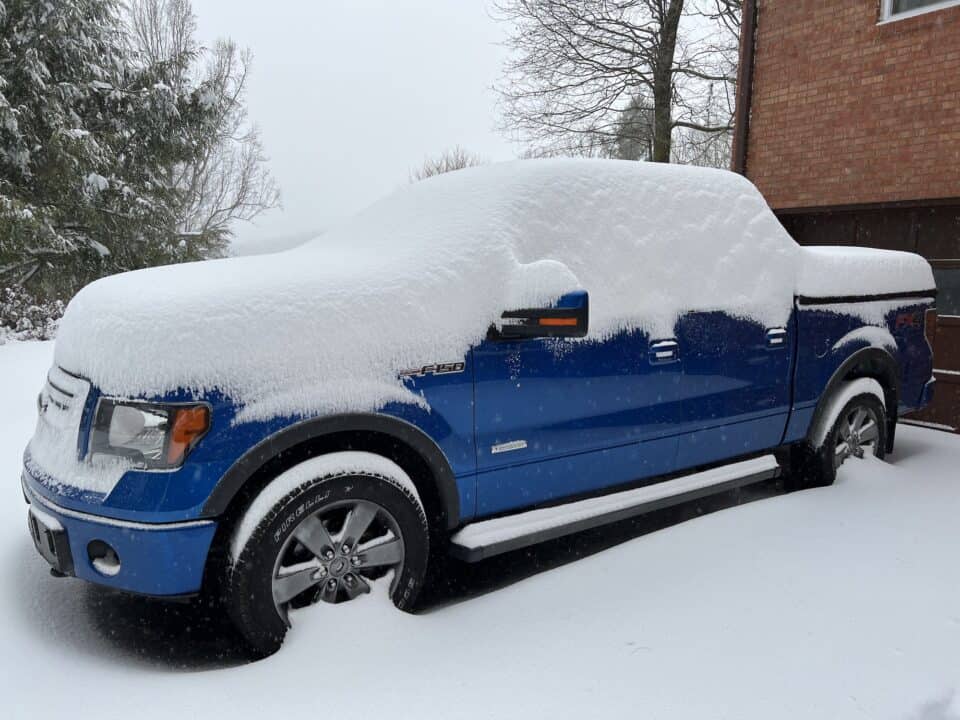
[819, 356]
[579, 401]
[153, 560]
[736, 388]
[571, 417]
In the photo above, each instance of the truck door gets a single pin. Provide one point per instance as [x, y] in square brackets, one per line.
[736, 386]
[560, 417]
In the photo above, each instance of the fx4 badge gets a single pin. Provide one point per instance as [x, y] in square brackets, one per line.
[908, 320]
[434, 369]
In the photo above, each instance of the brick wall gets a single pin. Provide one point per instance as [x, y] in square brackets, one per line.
[846, 110]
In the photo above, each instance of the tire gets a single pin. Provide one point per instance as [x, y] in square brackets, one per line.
[329, 538]
[846, 439]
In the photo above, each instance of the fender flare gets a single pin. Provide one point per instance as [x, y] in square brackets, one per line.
[399, 430]
[880, 361]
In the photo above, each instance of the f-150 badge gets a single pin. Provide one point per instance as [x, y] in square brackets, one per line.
[435, 369]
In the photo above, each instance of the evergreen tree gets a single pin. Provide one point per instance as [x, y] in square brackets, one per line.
[633, 139]
[87, 138]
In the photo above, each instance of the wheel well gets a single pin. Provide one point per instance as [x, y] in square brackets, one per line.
[869, 363]
[379, 443]
[871, 367]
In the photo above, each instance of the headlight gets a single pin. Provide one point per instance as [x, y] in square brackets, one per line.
[149, 435]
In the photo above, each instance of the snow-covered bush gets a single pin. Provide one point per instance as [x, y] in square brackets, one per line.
[23, 317]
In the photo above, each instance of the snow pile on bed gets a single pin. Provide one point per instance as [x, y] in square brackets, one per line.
[419, 277]
[856, 271]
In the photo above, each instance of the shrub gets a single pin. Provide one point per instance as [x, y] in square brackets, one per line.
[23, 317]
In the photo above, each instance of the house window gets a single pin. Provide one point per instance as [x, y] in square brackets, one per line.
[896, 9]
[947, 275]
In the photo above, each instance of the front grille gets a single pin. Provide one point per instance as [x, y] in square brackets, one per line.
[54, 391]
[62, 399]
[59, 442]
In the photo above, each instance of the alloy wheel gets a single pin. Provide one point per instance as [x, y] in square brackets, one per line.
[335, 553]
[857, 432]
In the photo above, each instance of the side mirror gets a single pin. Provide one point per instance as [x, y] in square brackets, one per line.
[567, 318]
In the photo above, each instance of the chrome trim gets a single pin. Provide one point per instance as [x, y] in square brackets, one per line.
[112, 522]
[508, 447]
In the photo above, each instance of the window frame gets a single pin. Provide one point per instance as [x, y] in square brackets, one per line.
[887, 14]
[946, 264]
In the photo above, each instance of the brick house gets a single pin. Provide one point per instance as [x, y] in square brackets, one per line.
[848, 120]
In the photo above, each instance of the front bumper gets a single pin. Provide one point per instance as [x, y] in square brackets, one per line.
[154, 559]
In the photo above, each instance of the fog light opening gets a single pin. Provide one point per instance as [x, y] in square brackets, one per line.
[103, 558]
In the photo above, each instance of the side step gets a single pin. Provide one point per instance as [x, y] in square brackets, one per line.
[487, 538]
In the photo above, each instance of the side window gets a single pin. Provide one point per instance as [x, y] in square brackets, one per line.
[893, 9]
[947, 275]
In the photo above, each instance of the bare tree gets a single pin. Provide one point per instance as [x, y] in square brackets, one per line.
[455, 158]
[163, 32]
[712, 44]
[577, 65]
[228, 180]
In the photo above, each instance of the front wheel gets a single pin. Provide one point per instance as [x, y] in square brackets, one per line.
[323, 534]
[859, 430]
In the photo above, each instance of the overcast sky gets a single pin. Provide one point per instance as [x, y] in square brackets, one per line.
[351, 95]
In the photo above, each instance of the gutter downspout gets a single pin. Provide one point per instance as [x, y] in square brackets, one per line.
[748, 44]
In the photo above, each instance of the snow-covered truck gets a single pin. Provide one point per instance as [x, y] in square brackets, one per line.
[478, 363]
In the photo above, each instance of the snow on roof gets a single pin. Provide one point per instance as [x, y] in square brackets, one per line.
[419, 276]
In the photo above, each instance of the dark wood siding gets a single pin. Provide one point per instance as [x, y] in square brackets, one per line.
[931, 230]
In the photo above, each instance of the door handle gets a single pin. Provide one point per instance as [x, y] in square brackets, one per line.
[776, 338]
[664, 352]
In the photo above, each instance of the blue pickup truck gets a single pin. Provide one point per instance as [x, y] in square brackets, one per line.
[476, 364]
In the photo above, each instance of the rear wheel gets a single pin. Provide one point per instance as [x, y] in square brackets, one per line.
[859, 430]
[329, 540]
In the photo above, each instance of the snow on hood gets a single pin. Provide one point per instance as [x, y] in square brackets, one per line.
[419, 276]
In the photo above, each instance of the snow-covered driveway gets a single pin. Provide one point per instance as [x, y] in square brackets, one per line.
[835, 603]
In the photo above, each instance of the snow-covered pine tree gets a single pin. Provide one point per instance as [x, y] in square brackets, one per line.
[86, 141]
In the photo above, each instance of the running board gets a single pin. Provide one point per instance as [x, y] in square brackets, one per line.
[487, 538]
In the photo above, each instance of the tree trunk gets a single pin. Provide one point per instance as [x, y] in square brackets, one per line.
[662, 117]
[663, 82]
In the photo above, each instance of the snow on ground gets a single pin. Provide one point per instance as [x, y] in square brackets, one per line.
[842, 602]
